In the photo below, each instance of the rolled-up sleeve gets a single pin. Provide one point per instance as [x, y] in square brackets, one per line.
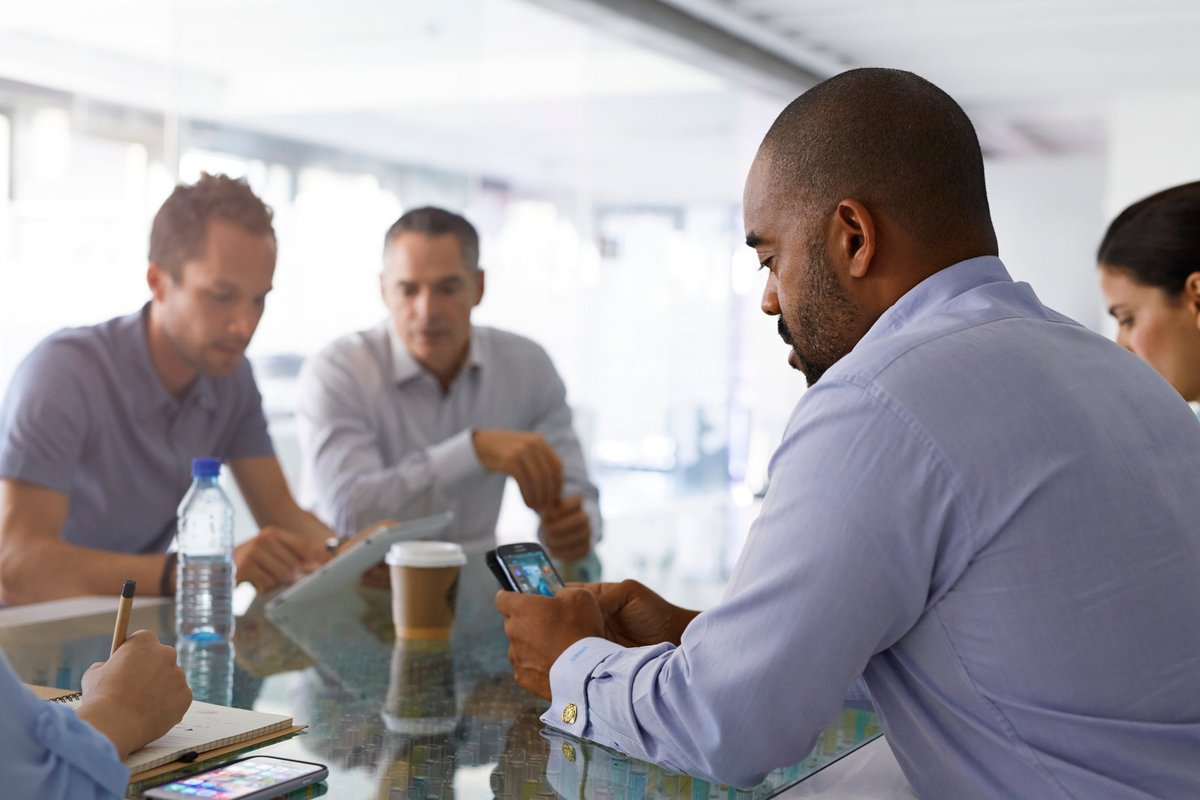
[47, 752]
[836, 569]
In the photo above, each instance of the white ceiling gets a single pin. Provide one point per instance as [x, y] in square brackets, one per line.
[1036, 75]
[521, 92]
[494, 87]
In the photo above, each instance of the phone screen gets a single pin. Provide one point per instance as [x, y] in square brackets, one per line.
[243, 779]
[532, 572]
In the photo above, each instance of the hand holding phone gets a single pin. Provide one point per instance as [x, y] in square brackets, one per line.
[253, 778]
[524, 567]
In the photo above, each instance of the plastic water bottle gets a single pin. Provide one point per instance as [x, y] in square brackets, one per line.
[204, 581]
[208, 666]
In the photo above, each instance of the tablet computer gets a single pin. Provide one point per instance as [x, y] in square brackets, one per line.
[347, 567]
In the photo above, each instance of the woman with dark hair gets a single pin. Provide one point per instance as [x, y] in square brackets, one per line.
[1150, 277]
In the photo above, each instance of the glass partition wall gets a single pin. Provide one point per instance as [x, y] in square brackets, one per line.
[604, 177]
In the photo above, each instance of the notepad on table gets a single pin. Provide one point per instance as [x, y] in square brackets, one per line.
[204, 728]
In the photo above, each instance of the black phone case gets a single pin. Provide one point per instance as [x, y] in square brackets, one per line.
[492, 559]
[493, 564]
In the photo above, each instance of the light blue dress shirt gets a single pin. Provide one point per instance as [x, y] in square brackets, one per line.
[47, 752]
[380, 438]
[989, 513]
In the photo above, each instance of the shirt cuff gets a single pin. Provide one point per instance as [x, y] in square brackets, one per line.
[454, 459]
[569, 678]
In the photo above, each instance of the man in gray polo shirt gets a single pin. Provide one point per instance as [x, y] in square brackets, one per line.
[100, 424]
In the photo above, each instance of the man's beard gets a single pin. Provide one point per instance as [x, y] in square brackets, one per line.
[826, 323]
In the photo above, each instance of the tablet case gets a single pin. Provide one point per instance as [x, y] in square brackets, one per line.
[347, 567]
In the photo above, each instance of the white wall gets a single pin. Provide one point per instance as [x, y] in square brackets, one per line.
[1153, 143]
[1049, 217]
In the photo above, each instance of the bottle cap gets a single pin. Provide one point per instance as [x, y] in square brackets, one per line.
[206, 467]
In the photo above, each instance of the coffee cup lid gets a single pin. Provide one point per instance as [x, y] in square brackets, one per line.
[426, 554]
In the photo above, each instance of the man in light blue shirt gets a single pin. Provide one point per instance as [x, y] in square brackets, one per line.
[983, 509]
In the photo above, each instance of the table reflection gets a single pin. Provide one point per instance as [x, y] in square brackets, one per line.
[400, 719]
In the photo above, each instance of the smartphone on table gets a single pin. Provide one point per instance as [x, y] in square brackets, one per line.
[524, 567]
[253, 778]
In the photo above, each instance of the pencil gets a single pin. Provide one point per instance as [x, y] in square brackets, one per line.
[121, 631]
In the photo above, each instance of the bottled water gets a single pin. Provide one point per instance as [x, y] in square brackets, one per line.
[208, 665]
[204, 581]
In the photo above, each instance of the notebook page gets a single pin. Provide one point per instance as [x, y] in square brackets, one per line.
[205, 727]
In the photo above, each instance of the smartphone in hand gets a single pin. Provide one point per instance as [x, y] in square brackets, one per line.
[524, 567]
[253, 778]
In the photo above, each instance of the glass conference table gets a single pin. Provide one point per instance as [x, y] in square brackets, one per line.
[402, 720]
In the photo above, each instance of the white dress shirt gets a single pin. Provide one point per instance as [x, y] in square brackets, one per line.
[379, 438]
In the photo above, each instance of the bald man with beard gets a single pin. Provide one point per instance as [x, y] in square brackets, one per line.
[980, 507]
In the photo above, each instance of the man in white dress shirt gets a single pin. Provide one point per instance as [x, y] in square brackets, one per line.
[426, 412]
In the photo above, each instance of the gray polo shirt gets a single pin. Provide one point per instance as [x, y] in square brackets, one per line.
[87, 415]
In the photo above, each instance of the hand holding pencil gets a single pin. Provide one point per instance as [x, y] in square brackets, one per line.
[140, 692]
[137, 695]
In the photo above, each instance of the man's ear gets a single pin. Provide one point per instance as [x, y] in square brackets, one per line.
[157, 279]
[478, 287]
[853, 237]
[1191, 295]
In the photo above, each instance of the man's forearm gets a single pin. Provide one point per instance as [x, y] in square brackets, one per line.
[371, 497]
[405, 490]
[298, 520]
[56, 570]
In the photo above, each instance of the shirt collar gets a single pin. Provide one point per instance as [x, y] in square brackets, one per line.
[405, 367]
[146, 393]
[936, 290]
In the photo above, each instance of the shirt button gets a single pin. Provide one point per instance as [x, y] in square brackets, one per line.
[570, 712]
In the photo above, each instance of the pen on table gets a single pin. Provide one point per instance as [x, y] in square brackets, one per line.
[121, 631]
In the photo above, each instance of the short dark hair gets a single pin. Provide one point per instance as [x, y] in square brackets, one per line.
[889, 139]
[431, 221]
[1156, 241]
[180, 229]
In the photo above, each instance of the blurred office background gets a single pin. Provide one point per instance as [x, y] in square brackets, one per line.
[598, 145]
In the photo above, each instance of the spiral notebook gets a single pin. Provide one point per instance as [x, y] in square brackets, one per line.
[205, 728]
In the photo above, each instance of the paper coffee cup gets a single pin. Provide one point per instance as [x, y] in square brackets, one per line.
[424, 587]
